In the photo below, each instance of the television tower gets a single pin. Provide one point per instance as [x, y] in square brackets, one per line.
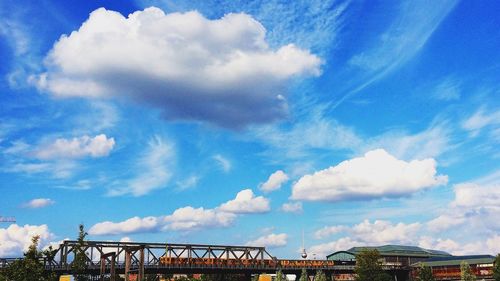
[303, 254]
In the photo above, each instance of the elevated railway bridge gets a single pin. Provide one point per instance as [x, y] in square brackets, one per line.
[108, 259]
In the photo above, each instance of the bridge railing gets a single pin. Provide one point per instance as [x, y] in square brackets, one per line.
[136, 254]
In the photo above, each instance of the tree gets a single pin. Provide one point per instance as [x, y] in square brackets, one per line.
[369, 267]
[320, 276]
[496, 268]
[79, 264]
[303, 275]
[280, 276]
[466, 273]
[425, 273]
[29, 268]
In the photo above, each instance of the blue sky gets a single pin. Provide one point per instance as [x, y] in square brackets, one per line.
[357, 122]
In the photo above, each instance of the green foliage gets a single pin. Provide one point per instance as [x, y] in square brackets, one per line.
[320, 276]
[466, 273]
[496, 268]
[369, 267]
[425, 273]
[29, 268]
[280, 276]
[79, 264]
[255, 277]
[303, 275]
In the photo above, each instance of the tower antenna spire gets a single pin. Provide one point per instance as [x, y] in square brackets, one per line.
[303, 254]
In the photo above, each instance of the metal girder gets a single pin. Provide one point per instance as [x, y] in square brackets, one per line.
[141, 258]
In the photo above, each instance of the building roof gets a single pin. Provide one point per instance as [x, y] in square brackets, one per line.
[400, 250]
[457, 260]
[342, 256]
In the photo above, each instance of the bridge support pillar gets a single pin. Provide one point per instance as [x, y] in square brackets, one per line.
[141, 264]
[104, 257]
[113, 273]
[127, 264]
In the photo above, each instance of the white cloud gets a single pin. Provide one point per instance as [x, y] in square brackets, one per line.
[246, 203]
[384, 232]
[328, 231]
[59, 169]
[191, 67]
[30, 168]
[447, 90]
[477, 206]
[182, 219]
[366, 233]
[97, 146]
[445, 221]
[15, 239]
[17, 147]
[154, 169]
[39, 203]
[132, 225]
[292, 207]
[376, 174]
[188, 183]
[429, 143]
[274, 181]
[189, 218]
[453, 247]
[223, 162]
[324, 249]
[16, 33]
[481, 119]
[126, 239]
[493, 244]
[270, 241]
[311, 133]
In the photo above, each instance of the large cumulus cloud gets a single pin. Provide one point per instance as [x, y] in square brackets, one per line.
[193, 68]
[377, 174]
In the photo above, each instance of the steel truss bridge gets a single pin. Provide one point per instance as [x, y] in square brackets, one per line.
[107, 259]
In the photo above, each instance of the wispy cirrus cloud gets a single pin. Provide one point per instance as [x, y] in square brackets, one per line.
[402, 40]
[154, 170]
[448, 90]
[223, 162]
[482, 119]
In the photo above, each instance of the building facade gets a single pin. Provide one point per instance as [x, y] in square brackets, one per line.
[395, 259]
[448, 268]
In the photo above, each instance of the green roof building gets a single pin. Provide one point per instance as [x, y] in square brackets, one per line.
[393, 255]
